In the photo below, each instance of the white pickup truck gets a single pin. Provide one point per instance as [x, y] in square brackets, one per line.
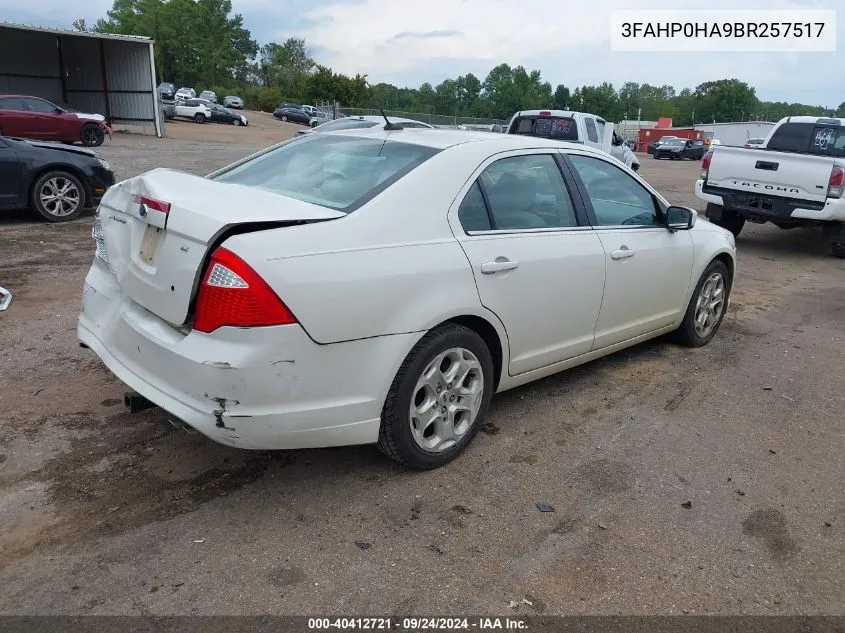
[795, 178]
[574, 127]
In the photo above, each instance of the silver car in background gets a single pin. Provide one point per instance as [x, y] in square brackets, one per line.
[231, 101]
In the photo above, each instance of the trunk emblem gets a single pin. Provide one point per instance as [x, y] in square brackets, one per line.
[142, 210]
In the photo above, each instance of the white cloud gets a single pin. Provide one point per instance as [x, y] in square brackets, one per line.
[569, 42]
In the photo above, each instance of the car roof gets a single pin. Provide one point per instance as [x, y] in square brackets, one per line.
[558, 113]
[443, 139]
[380, 119]
[812, 119]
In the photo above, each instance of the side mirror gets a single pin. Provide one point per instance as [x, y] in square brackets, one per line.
[680, 218]
[58, 110]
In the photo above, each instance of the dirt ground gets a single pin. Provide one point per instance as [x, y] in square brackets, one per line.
[703, 481]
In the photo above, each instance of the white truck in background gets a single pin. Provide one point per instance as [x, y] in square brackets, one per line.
[795, 178]
[574, 127]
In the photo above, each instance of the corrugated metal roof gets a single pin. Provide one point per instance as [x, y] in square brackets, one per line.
[101, 36]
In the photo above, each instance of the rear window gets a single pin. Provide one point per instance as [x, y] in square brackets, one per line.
[337, 172]
[346, 124]
[809, 138]
[563, 129]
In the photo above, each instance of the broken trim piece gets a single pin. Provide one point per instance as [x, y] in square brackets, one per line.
[5, 298]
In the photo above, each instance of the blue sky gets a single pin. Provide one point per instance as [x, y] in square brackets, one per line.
[407, 43]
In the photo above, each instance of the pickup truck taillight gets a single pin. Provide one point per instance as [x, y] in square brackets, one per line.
[705, 164]
[836, 184]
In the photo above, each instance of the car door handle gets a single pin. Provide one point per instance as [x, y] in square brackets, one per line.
[622, 253]
[498, 265]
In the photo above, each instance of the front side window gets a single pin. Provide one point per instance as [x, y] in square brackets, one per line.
[527, 192]
[337, 172]
[40, 106]
[617, 199]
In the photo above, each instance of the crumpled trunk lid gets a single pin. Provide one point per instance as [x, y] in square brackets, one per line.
[157, 257]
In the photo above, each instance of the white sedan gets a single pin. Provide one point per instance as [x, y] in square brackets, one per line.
[379, 286]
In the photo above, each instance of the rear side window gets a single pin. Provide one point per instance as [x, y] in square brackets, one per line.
[337, 172]
[809, 138]
[523, 192]
[562, 129]
[11, 103]
[591, 130]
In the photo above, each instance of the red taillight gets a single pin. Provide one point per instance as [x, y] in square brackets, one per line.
[233, 294]
[747, 146]
[705, 164]
[836, 184]
[545, 113]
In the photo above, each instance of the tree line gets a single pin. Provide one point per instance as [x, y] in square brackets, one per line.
[201, 43]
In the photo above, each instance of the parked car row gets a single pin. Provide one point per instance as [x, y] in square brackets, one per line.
[167, 91]
[201, 110]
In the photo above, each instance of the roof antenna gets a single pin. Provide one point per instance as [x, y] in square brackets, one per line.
[388, 124]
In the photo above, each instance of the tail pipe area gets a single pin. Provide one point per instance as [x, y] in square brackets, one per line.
[135, 402]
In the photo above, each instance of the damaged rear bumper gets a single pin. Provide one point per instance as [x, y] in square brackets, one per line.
[256, 388]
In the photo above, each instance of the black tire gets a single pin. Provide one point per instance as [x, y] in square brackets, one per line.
[837, 249]
[50, 181]
[199, 117]
[92, 135]
[396, 438]
[687, 334]
[236, 121]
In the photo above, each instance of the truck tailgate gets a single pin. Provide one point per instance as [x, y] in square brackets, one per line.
[761, 171]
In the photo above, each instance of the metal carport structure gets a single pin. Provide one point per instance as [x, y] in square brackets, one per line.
[112, 75]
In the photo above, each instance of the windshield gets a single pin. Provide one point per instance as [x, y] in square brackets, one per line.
[337, 172]
[560, 128]
[674, 143]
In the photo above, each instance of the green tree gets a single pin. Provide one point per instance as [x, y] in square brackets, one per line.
[725, 100]
[840, 111]
[561, 98]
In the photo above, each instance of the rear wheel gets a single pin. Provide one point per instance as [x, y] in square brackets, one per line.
[284, 118]
[438, 399]
[58, 196]
[837, 249]
[199, 117]
[92, 136]
[707, 307]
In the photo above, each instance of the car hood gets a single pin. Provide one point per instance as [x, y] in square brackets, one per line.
[59, 147]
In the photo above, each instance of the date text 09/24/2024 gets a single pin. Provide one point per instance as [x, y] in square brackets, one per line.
[417, 624]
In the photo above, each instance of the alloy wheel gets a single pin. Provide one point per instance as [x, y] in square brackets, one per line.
[446, 400]
[60, 196]
[710, 304]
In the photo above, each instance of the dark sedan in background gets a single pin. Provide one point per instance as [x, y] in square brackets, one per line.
[55, 181]
[680, 149]
[294, 115]
[219, 114]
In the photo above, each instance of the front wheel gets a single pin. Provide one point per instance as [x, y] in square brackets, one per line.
[438, 399]
[236, 121]
[58, 196]
[837, 249]
[707, 307]
[92, 136]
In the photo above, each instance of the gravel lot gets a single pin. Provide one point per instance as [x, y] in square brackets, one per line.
[103, 512]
